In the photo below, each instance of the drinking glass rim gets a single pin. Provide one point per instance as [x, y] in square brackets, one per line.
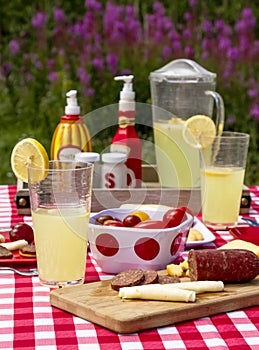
[74, 166]
[230, 134]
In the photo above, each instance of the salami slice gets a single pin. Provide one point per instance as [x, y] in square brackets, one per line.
[5, 253]
[28, 250]
[166, 279]
[127, 278]
[230, 265]
[151, 276]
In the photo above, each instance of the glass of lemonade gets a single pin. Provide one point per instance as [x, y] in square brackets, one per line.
[222, 175]
[60, 205]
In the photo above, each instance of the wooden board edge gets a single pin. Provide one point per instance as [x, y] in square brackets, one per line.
[227, 304]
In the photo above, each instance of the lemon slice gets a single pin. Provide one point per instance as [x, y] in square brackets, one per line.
[199, 131]
[29, 152]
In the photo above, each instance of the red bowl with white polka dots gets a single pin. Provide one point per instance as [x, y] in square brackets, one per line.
[116, 249]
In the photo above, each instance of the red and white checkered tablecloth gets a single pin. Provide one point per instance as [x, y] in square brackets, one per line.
[28, 321]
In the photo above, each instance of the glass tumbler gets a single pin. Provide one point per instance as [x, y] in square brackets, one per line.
[60, 198]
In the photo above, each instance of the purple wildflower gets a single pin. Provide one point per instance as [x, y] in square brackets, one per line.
[168, 24]
[187, 34]
[247, 22]
[207, 44]
[176, 46]
[93, 5]
[89, 92]
[173, 35]
[255, 50]
[204, 55]
[14, 47]
[39, 20]
[6, 68]
[253, 93]
[158, 8]
[158, 36]
[188, 16]
[248, 16]
[231, 119]
[167, 52]
[53, 77]
[59, 15]
[83, 76]
[228, 70]
[112, 62]
[125, 72]
[29, 77]
[224, 43]
[207, 27]
[245, 44]
[189, 52]
[130, 12]
[255, 111]
[233, 53]
[98, 63]
[240, 27]
[193, 3]
[219, 25]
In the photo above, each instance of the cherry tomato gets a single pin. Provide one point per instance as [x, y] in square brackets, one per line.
[113, 223]
[141, 214]
[21, 230]
[174, 217]
[102, 218]
[151, 224]
[131, 220]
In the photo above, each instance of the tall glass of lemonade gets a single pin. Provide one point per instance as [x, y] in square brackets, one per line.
[222, 175]
[60, 203]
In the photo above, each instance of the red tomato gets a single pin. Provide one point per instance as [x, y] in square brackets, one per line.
[102, 218]
[21, 230]
[151, 224]
[174, 217]
[131, 220]
[113, 223]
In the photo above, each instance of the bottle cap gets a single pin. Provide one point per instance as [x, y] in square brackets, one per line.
[127, 92]
[114, 157]
[72, 107]
[90, 157]
[127, 95]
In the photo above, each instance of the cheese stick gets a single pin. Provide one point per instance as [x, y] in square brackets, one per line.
[160, 292]
[201, 286]
[196, 286]
[14, 245]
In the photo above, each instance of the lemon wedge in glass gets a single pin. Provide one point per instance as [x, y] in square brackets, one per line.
[29, 152]
[199, 131]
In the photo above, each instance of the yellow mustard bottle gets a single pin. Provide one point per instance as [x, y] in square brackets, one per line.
[71, 134]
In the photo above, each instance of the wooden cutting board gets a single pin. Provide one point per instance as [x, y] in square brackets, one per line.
[99, 303]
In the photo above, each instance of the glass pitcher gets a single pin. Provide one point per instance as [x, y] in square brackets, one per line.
[179, 90]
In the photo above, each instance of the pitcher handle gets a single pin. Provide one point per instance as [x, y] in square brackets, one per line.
[220, 116]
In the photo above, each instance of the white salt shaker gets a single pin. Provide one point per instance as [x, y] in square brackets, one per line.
[94, 158]
[115, 172]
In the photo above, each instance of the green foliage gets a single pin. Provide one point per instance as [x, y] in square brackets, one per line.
[96, 41]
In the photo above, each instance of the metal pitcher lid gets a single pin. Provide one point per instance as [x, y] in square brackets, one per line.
[181, 70]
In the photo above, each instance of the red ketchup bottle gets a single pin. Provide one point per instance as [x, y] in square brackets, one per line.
[126, 139]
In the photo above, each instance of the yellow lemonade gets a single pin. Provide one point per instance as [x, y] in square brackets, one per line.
[221, 191]
[61, 244]
[177, 162]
